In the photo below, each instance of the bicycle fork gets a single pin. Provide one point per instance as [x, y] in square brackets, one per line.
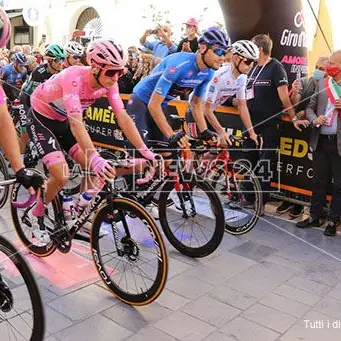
[186, 200]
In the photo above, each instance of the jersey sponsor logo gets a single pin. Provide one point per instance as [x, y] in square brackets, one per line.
[158, 90]
[74, 83]
[172, 70]
[263, 82]
[144, 133]
[215, 80]
[52, 142]
[190, 73]
[211, 89]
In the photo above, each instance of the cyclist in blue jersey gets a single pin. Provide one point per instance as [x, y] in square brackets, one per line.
[14, 75]
[179, 73]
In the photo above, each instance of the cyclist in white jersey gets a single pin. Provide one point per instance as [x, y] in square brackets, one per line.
[230, 80]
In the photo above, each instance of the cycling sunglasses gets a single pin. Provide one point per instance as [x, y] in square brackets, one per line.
[110, 73]
[58, 59]
[218, 52]
[247, 61]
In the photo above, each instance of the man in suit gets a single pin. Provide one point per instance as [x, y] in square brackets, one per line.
[324, 113]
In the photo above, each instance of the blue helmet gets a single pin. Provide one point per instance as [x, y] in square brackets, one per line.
[214, 36]
[20, 58]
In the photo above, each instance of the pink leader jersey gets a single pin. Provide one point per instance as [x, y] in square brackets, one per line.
[69, 93]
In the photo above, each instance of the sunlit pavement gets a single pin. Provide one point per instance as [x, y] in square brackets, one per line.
[275, 283]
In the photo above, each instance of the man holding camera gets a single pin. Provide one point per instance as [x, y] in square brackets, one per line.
[162, 46]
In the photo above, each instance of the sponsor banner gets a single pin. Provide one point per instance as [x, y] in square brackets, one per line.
[282, 20]
[294, 168]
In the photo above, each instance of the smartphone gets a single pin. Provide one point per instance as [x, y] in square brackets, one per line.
[154, 31]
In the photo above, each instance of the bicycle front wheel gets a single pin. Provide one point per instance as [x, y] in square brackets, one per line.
[21, 307]
[194, 223]
[135, 269]
[28, 227]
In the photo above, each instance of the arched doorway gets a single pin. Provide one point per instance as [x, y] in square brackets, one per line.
[90, 23]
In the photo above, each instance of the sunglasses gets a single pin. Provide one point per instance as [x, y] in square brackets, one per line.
[110, 73]
[218, 52]
[59, 59]
[75, 56]
[247, 61]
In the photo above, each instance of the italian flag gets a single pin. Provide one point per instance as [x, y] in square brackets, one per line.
[334, 93]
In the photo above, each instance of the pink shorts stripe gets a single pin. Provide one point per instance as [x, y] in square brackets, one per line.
[74, 150]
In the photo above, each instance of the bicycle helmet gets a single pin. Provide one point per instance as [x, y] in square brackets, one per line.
[19, 58]
[74, 48]
[214, 36]
[54, 50]
[105, 53]
[246, 49]
[5, 29]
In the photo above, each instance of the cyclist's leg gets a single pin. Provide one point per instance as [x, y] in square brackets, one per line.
[49, 149]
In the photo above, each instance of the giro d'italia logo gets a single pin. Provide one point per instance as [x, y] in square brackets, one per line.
[299, 20]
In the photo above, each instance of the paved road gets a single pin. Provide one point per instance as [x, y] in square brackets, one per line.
[270, 284]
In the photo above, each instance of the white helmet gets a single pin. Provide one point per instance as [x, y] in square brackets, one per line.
[74, 48]
[246, 49]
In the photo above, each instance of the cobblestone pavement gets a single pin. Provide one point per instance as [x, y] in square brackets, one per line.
[275, 283]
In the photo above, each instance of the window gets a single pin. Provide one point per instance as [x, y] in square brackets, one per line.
[21, 35]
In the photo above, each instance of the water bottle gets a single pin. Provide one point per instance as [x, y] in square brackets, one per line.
[84, 201]
[68, 208]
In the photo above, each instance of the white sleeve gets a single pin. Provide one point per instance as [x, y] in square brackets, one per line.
[212, 89]
[241, 87]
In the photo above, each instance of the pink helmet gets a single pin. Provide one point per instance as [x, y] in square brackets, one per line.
[105, 53]
[5, 30]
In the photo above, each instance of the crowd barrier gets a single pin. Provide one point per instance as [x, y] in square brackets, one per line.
[292, 179]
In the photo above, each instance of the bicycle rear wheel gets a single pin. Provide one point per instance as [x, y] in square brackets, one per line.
[138, 275]
[194, 223]
[4, 175]
[21, 307]
[241, 194]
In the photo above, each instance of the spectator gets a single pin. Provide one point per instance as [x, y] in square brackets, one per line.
[126, 82]
[26, 49]
[144, 68]
[162, 46]
[31, 64]
[267, 95]
[323, 112]
[190, 42]
[133, 59]
[302, 90]
[37, 53]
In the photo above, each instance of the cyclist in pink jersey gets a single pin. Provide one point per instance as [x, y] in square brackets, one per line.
[55, 118]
